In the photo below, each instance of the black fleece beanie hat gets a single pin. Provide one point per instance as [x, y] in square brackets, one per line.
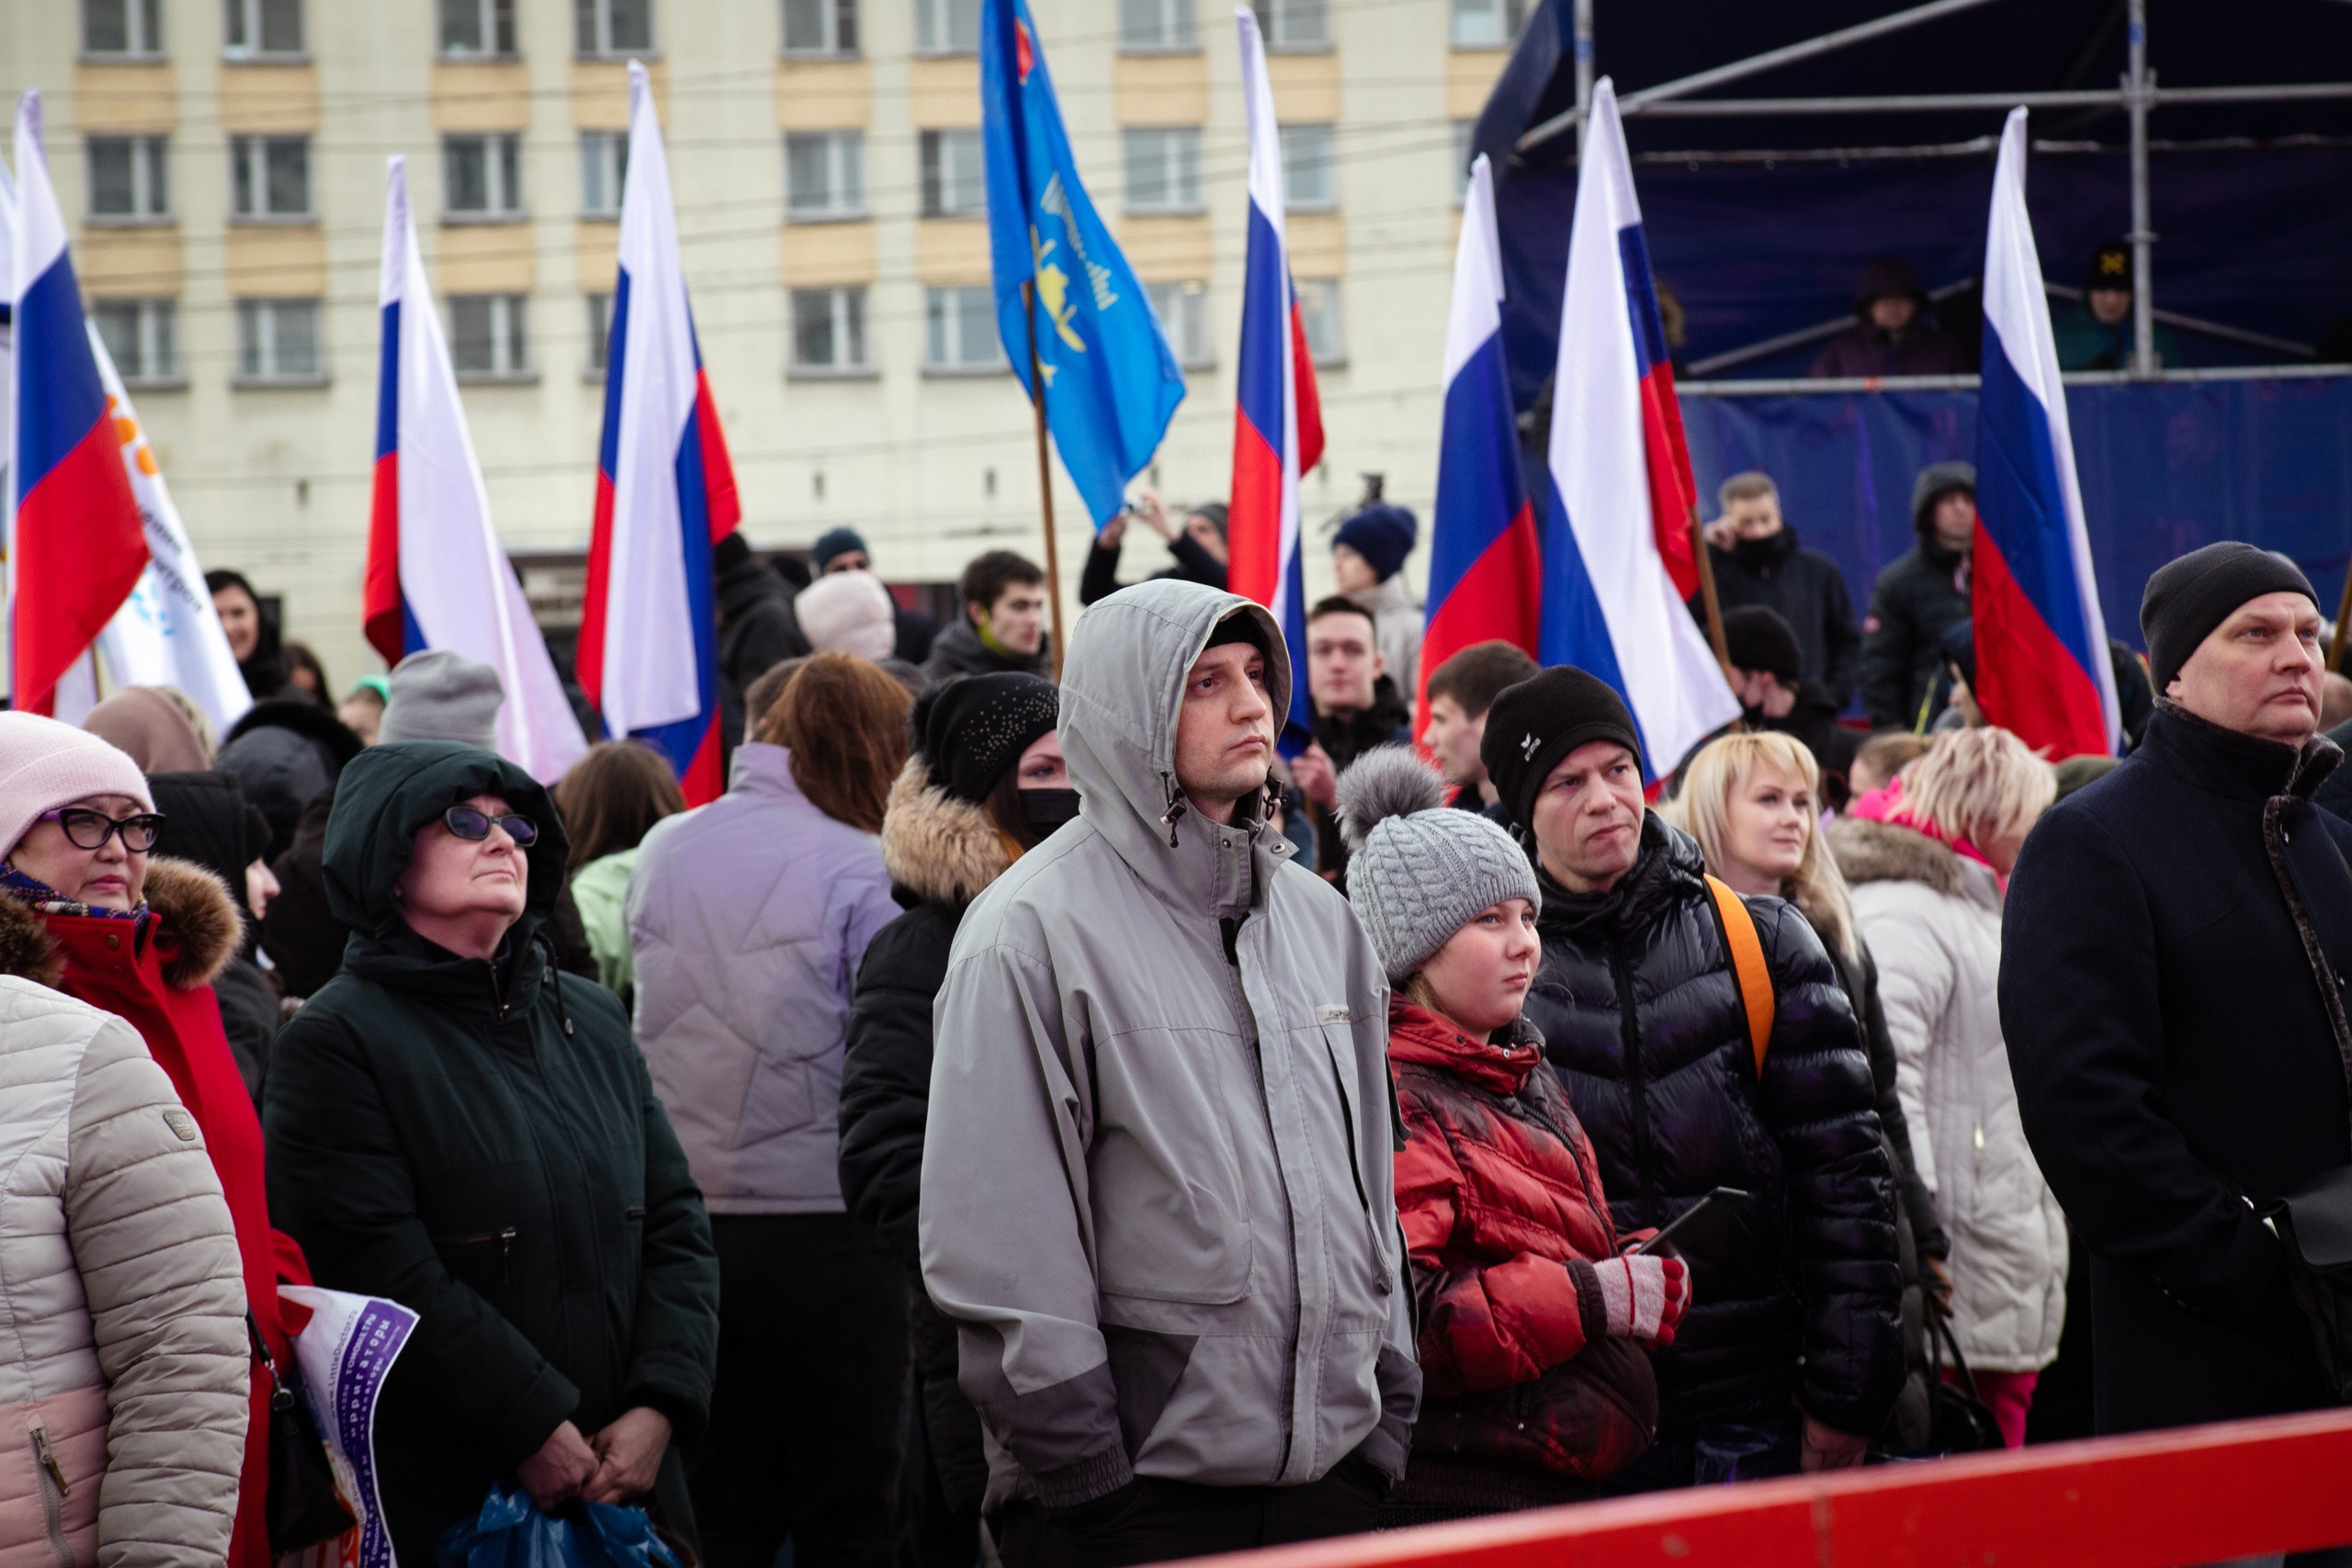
[2188, 597]
[970, 730]
[1541, 720]
[1757, 638]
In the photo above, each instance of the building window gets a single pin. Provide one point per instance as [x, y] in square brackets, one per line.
[829, 330]
[487, 337]
[948, 27]
[603, 171]
[600, 331]
[117, 29]
[612, 27]
[269, 178]
[261, 30]
[954, 177]
[960, 330]
[1145, 26]
[1310, 179]
[478, 29]
[142, 338]
[130, 178]
[278, 340]
[824, 174]
[1318, 312]
[1183, 312]
[1486, 24]
[1294, 24]
[820, 26]
[482, 177]
[1163, 165]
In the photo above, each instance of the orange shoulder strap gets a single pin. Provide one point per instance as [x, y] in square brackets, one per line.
[1754, 980]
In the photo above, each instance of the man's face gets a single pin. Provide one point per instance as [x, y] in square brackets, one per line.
[1754, 518]
[1017, 620]
[2109, 305]
[1204, 533]
[1225, 728]
[1587, 817]
[1452, 738]
[849, 561]
[2259, 672]
[1894, 312]
[1341, 663]
[1955, 519]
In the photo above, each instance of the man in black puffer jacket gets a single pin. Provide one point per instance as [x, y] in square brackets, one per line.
[1793, 1351]
[1920, 594]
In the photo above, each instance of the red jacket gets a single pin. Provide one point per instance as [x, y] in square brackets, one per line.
[1500, 1200]
[157, 977]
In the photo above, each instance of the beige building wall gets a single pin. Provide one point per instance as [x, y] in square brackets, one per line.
[931, 468]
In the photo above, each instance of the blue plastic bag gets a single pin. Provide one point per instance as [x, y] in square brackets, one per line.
[510, 1532]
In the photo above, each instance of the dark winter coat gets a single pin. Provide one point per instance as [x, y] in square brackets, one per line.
[206, 820]
[1499, 1196]
[941, 855]
[1920, 595]
[285, 754]
[1799, 1295]
[1805, 589]
[2172, 1040]
[1194, 564]
[958, 650]
[757, 629]
[1345, 737]
[480, 1141]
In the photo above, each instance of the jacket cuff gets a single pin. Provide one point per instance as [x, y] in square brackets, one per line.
[1591, 1305]
[687, 1416]
[546, 1403]
[1084, 1481]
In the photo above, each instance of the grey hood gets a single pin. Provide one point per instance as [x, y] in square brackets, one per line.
[1122, 687]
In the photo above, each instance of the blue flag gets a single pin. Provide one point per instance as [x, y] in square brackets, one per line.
[1111, 385]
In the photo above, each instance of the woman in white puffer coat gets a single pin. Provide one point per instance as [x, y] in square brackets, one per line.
[1926, 860]
[123, 1379]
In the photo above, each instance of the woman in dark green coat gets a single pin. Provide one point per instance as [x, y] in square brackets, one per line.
[454, 1126]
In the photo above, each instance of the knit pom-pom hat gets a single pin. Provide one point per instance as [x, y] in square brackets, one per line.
[1421, 869]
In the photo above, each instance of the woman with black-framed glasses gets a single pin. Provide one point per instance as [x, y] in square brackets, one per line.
[87, 909]
[455, 1125]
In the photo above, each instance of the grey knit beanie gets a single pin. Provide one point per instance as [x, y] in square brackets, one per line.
[1421, 869]
[440, 695]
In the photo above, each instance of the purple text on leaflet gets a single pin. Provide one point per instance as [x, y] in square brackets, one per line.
[376, 1336]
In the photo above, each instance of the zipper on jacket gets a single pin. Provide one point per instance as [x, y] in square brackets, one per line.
[505, 1240]
[1355, 1169]
[53, 1488]
[1629, 1032]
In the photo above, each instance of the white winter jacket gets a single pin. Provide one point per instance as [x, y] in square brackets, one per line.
[123, 1360]
[1933, 920]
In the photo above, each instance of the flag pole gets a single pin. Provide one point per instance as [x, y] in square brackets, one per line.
[2343, 619]
[1045, 478]
[1707, 594]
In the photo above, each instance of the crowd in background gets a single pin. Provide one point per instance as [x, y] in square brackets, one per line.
[1392, 1128]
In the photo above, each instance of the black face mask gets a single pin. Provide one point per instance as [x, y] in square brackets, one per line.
[1049, 808]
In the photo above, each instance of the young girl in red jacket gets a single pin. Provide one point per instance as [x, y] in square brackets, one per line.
[1535, 1313]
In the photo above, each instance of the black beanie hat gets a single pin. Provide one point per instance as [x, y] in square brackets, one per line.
[2188, 597]
[1541, 720]
[970, 730]
[1757, 638]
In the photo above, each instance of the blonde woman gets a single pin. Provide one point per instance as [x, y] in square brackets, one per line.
[1927, 878]
[1753, 802]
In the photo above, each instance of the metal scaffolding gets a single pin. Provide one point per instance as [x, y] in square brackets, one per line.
[2136, 94]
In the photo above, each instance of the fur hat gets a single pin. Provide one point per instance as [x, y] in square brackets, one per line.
[1420, 868]
[45, 765]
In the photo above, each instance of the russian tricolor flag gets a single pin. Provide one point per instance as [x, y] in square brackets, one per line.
[2042, 658]
[665, 492]
[1618, 561]
[1486, 567]
[436, 575]
[77, 546]
[1278, 422]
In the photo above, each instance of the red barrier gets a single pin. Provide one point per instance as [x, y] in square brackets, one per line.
[2199, 1495]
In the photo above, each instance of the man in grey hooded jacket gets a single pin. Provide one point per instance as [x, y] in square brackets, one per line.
[1161, 1210]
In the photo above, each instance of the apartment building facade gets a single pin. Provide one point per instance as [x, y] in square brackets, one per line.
[222, 161]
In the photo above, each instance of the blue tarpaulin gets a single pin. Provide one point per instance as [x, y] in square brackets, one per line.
[2164, 467]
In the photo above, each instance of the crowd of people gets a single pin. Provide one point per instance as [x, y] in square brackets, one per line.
[1381, 1129]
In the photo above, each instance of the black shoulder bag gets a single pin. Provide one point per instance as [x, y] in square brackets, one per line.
[303, 1508]
[2315, 1230]
[1959, 1422]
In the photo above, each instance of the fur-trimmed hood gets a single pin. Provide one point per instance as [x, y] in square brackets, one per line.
[936, 846]
[197, 919]
[1881, 852]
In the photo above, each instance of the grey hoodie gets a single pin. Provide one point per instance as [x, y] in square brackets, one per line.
[1162, 1213]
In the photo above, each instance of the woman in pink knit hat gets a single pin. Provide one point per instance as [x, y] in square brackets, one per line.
[85, 910]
